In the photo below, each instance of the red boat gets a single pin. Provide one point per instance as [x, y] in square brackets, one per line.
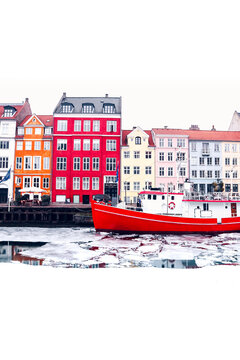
[170, 213]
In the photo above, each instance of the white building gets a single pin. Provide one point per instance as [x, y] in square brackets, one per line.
[10, 116]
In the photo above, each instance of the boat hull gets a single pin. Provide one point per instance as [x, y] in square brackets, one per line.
[111, 219]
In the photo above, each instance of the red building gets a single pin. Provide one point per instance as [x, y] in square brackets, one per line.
[86, 148]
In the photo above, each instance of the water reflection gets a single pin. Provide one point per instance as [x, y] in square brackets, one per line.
[84, 248]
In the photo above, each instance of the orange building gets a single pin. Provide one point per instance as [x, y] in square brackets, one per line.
[32, 169]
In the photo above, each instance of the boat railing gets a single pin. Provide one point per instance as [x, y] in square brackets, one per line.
[212, 196]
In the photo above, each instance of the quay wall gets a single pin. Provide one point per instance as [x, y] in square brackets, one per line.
[46, 216]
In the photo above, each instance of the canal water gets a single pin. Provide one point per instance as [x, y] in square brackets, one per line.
[84, 248]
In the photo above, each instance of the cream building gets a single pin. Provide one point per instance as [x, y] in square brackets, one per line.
[137, 163]
[231, 163]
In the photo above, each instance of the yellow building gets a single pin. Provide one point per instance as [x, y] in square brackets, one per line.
[231, 165]
[137, 163]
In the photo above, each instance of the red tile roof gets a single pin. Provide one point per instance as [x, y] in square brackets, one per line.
[47, 120]
[126, 132]
[18, 107]
[201, 134]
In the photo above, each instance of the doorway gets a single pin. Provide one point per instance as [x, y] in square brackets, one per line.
[234, 209]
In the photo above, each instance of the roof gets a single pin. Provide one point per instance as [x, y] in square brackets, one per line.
[18, 108]
[47, 120]
[98, 102]
[126, 132]
[208, 135]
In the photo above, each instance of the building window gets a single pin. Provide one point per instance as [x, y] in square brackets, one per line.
[202, 173]
[170, 171]
[182, 171]
[227, 147]
[95, 163]
[62, 144]
[9, 111]
[46, 145]
[76, 183]
[235, 174]
[170, 143]
[217, 174]
[18, 163]
[170, 156]
[3, 162]
[96, 125]
[17, 180]
[86, 144]
[27, 182]
[61, 163]
[161, 171]
[136, 154]
[111, 145]
[86, 125]
[161, 142]
[181, 143]
[209, 161]
[138, 140]
[19, 145]
[136, 170]
[126, 170]
[48, 131]
[20, 131]
[77, 125]
[45, 183]
[67, 108]
[76, 163]
[234, 147]
[96, 144]
[60, 183]
[205, 148]
[95, 183]
[148, 170]
[136, 186]
[4, 144]
[161, 156]
[227, 161]
[29, 131]
[193, 146]
[194, 173]
[234, 161]
[28, 145]
[111, 164]
[27, 162]
[38, 131]
[46, 163]
[77, 144]
[86, 163]
[227, 187]
[235, 188]
[216, 147]
[62, 125]
[111, 126]
[148, 154]
[201, 161]
[209, 173]
[126, 154]
[36, 182]
[37, 162]
[87, 109]
[109, 108]
[37, 145]
[181, 156]
[148, 185]
[217, 161]
[126, 185]
[85, 184]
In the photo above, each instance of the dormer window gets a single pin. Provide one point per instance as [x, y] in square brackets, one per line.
[109, 109]
[9, 111]
[87, 108]
[67, 107]
[138, 140]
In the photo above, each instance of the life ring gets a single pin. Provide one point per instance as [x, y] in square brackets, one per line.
[171, 205]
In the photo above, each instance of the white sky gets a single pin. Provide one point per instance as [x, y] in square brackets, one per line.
[174, 62]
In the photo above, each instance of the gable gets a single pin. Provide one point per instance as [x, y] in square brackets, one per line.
[34, 121]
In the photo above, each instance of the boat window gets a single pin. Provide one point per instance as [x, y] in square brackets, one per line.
[226, 207]
[163, 197]
[205, 207]
[172, 197]
[154, 197]
[149, 197]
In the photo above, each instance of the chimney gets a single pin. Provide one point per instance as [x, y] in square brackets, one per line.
[194, 127]
[64, 94]
[26, 99]
[213, 128]
[106, 95]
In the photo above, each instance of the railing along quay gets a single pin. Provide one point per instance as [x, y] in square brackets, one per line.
[59, 215]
